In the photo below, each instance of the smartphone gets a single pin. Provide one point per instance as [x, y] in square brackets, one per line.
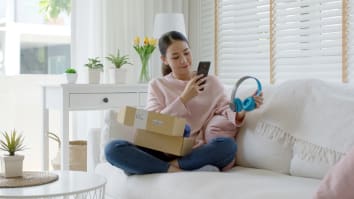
[203, 68]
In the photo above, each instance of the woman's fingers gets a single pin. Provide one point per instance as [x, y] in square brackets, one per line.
[258, 100]
[198, 78]
[193, 87]
[200, 82]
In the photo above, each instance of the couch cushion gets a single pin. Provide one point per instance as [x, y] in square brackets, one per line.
[245, 183]
[260, 152]
[305, 166]
[112, 130]
[308, 115]
[257, 150]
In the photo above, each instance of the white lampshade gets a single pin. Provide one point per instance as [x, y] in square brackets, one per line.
[165, 22]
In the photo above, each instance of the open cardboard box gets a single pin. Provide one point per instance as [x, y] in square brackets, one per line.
[151, 121]
[169, 144]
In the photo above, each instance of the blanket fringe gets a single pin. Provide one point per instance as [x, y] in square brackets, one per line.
[303, 149]
[274, 133]
[312, 152]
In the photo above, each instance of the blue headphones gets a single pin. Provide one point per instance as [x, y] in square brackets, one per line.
[237, 105]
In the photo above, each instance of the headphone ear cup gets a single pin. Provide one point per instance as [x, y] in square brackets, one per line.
[238, 104]
[249, 104]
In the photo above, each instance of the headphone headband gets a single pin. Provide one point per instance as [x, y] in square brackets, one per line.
[237, 84]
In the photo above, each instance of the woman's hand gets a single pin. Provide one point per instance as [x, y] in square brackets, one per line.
[239, 117]
[258, 99]
[193, 88]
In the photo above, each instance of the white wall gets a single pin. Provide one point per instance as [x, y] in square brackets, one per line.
[20, 109]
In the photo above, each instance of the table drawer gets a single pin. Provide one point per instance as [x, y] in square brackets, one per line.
[102, 100]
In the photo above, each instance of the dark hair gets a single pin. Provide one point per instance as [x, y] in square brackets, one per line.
[164, 42]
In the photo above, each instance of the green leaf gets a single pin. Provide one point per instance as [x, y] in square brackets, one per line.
[70, 70]
[94, 63]
[11, 142]
[117, 60]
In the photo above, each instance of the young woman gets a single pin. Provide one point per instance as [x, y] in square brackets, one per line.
[200, 100]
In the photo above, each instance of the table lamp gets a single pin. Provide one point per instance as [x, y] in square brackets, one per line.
[165, 22]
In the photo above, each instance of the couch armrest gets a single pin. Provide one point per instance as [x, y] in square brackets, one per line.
[93, 149]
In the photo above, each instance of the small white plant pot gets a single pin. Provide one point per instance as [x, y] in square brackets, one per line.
[94, 76]
[71, 78]
[118, 75]
[11, 166]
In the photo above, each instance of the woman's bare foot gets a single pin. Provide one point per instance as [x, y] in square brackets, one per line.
[173, 169]
[174, 166]
[229, 166]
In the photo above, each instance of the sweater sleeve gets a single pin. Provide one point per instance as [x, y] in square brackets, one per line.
[223, 106]
[156, 101]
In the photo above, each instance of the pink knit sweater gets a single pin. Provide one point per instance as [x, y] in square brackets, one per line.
[208, 114]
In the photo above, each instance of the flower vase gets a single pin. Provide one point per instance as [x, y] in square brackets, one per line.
[144, 76]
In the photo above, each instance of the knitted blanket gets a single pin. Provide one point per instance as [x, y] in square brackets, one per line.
[316, 116]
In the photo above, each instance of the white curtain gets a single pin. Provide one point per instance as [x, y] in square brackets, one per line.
[100, 27]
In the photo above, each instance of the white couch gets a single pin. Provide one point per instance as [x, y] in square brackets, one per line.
[284, 149]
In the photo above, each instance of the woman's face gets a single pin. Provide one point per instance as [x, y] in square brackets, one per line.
[179, 58]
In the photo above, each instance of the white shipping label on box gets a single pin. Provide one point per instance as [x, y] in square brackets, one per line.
[140, 118]
[157, 122]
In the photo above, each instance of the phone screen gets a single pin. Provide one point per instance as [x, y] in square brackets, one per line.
[203, 68]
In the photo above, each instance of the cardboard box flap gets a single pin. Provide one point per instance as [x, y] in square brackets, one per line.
[125, 115]
[152, 121]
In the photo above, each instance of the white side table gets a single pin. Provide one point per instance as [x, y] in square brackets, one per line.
[70, 184]
[79, 97]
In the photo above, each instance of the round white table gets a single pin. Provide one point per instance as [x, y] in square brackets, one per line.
[70, 184]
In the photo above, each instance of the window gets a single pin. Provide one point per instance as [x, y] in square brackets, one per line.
[278, 40]
[32, 40]
[243, 39]
[307, 40]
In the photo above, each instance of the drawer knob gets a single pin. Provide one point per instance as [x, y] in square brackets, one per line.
[105, 100]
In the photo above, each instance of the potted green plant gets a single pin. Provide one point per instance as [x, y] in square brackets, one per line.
[11, 163]
[118, 73]
[71, 75]
[95, 67]
[118, 60]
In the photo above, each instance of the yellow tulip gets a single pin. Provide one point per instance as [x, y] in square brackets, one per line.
[146, 41]
[152, 41]
[145, 51]
[136, 41]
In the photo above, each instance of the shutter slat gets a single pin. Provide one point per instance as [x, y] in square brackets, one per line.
[307, 39]
[243, 39]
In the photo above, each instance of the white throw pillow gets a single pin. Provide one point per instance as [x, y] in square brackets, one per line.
[113, 130]
[307, 168]
[312, 161]
[260, 152]
[256, 150]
